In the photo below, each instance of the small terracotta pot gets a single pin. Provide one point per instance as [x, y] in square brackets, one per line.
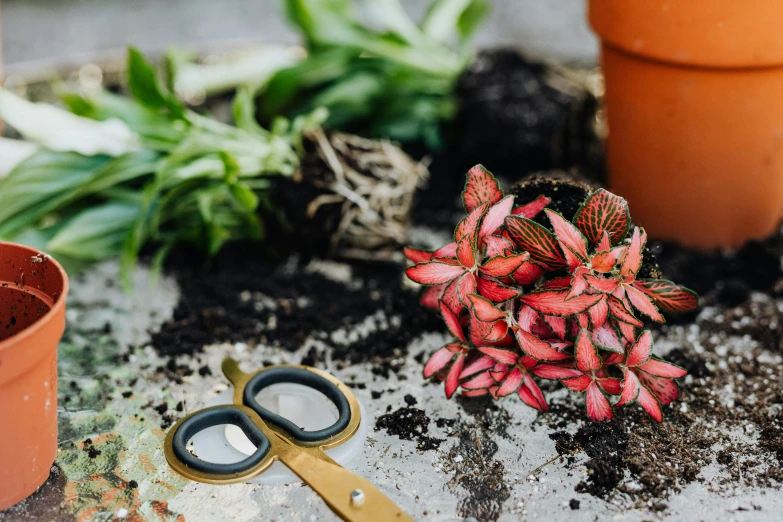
[33, 287]
[695, 110]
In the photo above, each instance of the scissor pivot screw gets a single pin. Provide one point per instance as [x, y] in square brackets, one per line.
[357, 498]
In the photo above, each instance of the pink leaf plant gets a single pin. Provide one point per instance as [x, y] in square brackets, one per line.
[524, 301]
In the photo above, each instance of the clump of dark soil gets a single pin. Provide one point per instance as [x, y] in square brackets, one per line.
[514, 118]
[245, 300]
[409, 423]
[44, 504]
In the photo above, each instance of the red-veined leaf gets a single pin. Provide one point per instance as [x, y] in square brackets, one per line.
[603, 211]
[557, 324]
[482, 380]
[668, 296]
[495, 292]
[659, 368]
[665, 390]
[528, 273]
[552, 371]
[484, 309]
[498, 246]
[618, 310]
[601, 284]
[583, 320]
[532, 209]
[449, 250]
[468, 227]
[475, 393]
[434, 273]
[568, 235]
[496, 216]
[511, 383]
[559, 283]
[605, 261]
[598, 313]
[527, 318]
[641, 350]
[480, 187]
[630, 389]
[480, 332]
[553, 302]
[533, 390]
[614, 358]
[644, 304]
[432, 296]
[587, 358]
[578, 286]
[572, 260]
[598, 407]
[503, 266]
[610, 385]
[605, 243]
[537, 348]
[506, 357]
[417, 256]
[497, 332]
[466, 252]
[452, 322]
[456, 294]
[578, 384]
[632, 260]
[606, 339]
[438, 361]
[649, 403]
[477, 365]
[452, 379]
[537, 240]
[628, 331]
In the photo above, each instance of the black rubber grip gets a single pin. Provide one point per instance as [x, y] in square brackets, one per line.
[305, 378]
[214, 417]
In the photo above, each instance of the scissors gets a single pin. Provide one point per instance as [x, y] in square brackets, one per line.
[350, 496]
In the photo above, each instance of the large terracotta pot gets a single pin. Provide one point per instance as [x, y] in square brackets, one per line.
[694, 100]
[32, 318]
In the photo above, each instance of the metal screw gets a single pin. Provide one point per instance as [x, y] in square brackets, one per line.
[357, 498]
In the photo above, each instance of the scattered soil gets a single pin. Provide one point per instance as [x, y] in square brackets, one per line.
[44, 504]
[285, 304]
[409, 423]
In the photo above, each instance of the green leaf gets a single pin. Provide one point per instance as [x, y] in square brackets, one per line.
[146, 87]
[447, 19]
[97, 233]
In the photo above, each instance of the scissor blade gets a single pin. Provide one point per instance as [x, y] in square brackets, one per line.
[352, 497]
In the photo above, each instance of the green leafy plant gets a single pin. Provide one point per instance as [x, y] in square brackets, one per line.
[116, 173]
[396, 81]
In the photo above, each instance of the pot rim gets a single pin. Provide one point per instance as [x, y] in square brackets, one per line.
[722, 34]
[21, 337]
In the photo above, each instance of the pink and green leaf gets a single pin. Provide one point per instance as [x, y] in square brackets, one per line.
[480, 187]
[553, 302]
[587, 358]
[665, 390]
[598, 407]
[660, 368]
[537, 240]
[568, 235]
[641, 350]
[649, 403]
[528, 273]
[603, 212]
[605, 338]
[452, 322]
[496, 216]
[502, 266]
[669, 297]
[417, 256]
[531, 210]
[452, 379]
[632, 260]
[630, 389]
[538, 349]
[434, 273]
[644, 304]
[495, 292]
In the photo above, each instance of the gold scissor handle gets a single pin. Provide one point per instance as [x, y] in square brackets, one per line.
[350, 496]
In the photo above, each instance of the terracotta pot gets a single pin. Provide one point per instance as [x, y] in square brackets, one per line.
[695, 113]
[32, 318]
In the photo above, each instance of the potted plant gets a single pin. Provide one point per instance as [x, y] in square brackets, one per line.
[33, 287]
[695, 115]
